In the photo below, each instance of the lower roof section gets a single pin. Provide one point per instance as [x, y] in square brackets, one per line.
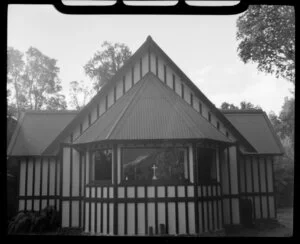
[256, 127]
[151, 110]
[36, 130]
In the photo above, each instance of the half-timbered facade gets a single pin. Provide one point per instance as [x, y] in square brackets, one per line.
[149, 154]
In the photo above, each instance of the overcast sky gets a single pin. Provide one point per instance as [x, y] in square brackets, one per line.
[204, 47]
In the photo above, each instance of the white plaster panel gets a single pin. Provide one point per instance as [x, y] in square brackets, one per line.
[151, 216]
[52, 177]
[65, 214]
[153, 63]
[141, 218]
[171, 191]
[45, 176]
[130, 192]
[141, 191]
[161, 191]
[130, 219]
[37, 175]
[262, 175]
[150, 191]
[75, 214]
[145, 64]
[161, 215]
[29, 177]
[66, 172]
[121, 192]
[29, 205]
[191, 217]
[104, 218]
[87, 221]
[21, 205]
[121, 218]
[36, 205]
[270, 175]
[98, 219]
[111, 218]
[182, 222]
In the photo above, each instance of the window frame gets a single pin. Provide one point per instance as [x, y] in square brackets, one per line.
[185, 181]
[92, 168]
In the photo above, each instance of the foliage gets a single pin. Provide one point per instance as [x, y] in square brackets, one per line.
[266, 35]
[243, 105]
[79, 93]
[35, 222]
[34, 83]
[106, 63]
[15, 69]
[284, 126]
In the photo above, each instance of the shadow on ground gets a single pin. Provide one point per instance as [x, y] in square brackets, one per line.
[283, 227]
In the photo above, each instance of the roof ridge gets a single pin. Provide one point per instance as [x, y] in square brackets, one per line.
[50, 111]
[233, 111]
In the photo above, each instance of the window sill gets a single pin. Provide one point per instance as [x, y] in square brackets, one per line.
[155, 183]
[100, 183]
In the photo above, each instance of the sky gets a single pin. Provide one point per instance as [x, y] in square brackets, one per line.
[203, 47]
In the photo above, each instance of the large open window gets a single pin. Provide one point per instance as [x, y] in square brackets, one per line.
[154, 164]
[207, 171]
[103, 165]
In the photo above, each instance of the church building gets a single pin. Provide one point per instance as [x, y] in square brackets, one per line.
[150, 153]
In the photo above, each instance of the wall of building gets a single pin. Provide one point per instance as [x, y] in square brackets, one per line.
[256, 184]
[39, 183]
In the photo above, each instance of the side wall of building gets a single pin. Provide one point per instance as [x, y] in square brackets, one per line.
[257, 184]
[39, 183]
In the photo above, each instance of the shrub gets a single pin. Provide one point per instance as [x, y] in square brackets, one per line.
[35, 222]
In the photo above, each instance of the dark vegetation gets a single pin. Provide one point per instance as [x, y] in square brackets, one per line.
[35, 222]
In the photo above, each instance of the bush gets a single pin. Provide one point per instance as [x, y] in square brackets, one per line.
[35, 222]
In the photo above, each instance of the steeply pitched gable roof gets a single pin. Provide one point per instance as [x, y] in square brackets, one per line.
[149, 44]
[36, 130]
[151, 110]
[256, 127]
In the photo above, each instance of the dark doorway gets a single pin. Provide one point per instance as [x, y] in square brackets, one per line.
[246, 213]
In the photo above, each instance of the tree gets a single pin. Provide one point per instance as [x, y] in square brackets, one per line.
[226, 105]
[104, 64]
[79, 93]
[284, 125]
[15, 69]
[243, 105]
[266, 36]
[41, 82]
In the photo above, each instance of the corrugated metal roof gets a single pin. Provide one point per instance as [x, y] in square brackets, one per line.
[36, 130]
[149, 44]
[151, 111]
[256, 127]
